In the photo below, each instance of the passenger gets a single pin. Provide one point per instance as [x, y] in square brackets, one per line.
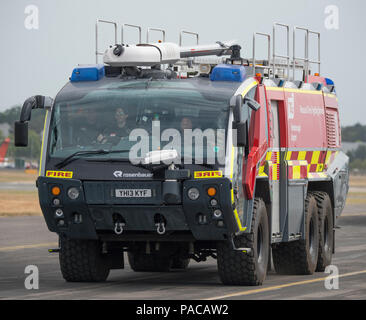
[185, 123]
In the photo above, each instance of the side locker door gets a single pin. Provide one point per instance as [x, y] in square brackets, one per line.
[273, 164]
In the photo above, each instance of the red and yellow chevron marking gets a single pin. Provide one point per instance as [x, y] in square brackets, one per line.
[297, 169]
[316, 162]
[315, 159]
[270, 166]
[329, 158]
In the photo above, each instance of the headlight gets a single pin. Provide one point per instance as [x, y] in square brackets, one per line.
[193, 193]
[73, 193]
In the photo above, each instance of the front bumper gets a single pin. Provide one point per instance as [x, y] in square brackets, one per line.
[86, 218]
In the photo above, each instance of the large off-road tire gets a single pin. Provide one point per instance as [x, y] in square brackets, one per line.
[82, 261]
[142, 262]
[326, 234]
[180, 263]
[239, 268]
[300, 256]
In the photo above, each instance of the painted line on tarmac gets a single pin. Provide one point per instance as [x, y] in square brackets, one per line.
[28, 246]
[291, 284]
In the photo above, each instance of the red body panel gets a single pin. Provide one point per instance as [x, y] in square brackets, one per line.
[308, 120]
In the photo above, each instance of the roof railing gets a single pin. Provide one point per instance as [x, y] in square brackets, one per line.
[188, 32]
[99, 21]
[130, 26]
[254, 62]
[154, 29]
[276, 55]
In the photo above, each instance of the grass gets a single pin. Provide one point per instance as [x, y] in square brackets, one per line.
[25, 203]
[7, 176]
[19, 203]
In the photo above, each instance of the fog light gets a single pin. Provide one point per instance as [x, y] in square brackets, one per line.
[193, 193]
[59, 213]
[73, 193]
[56, 202]
[217, 213]
[220, 223]
[61, 223]
[213, 202]
[211, 191]
[56, 191]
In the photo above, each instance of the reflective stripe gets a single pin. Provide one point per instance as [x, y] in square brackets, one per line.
[42, 151]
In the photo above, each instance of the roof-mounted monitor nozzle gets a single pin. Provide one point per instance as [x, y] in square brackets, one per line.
[164, 53]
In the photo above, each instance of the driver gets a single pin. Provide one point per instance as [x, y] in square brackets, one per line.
[119, 130]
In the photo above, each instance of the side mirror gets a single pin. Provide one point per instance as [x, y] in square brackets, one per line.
[21, 126]
[21, 134]
[254, 105]
[237, 111]
[240, 138]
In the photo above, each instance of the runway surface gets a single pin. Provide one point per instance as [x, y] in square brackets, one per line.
[24, 241]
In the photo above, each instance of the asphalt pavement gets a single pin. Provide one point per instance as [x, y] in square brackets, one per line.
[25, 241]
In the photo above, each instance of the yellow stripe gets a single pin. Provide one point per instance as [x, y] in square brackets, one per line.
[248, 88]
[296, 172]
[302, 155]
[28, 246]
[315, 157]
[329, 153]
[274, 172]
[294, 90]
[269, 155]
[288, 155]
[232, 190]
[44, 131]
[291, 284]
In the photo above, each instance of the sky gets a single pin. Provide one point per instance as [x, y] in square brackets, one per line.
[40, 60]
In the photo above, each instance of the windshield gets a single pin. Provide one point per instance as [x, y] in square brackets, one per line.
[140, 116]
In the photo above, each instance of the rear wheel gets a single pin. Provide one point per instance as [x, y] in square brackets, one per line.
[82, 261]
[239, 268]
[300, 256]
[326, 235]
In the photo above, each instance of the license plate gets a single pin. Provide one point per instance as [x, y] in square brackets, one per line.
[133, 193]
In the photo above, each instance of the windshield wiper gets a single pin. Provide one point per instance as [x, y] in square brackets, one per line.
[71, 157]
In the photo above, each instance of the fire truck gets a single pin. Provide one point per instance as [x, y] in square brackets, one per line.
[262, 178]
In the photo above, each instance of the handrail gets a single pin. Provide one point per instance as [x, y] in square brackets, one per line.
[287, 57]
[154, 29]
[306, 54]
[97, 53]
[132, 26]
[269, 49]
[318, 62]
[187, 32]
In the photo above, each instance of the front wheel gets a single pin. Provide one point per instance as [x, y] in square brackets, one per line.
[250, 268]
[82, 260]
